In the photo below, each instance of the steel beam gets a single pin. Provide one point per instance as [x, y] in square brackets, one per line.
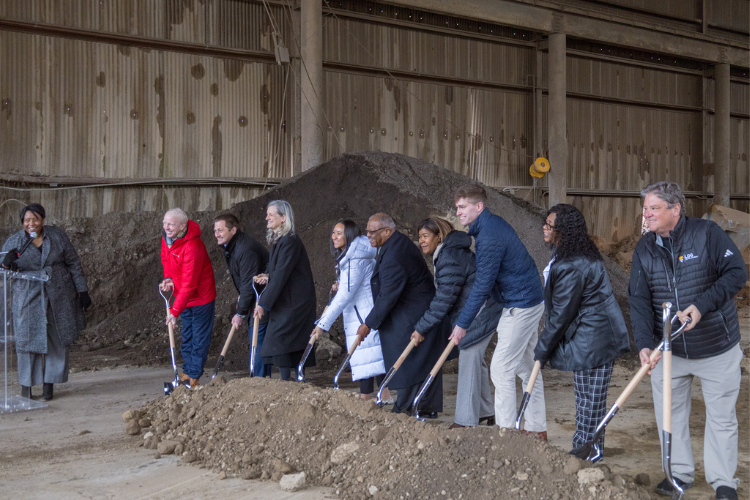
[692, 46]
[722, 166]
[312, 81]
[557, 119]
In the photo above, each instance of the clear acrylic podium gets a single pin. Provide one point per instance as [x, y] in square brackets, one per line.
[11, 401]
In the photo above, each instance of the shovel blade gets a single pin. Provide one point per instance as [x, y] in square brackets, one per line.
[219, 364]
[168, 388]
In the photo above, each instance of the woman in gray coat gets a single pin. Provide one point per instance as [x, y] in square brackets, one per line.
[46, 316]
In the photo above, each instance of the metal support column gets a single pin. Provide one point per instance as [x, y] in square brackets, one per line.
[312, 83]
[557, 119]
[722, 168]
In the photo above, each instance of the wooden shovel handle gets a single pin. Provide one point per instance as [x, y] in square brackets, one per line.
[354, 345]
[171, 332]
[256, 325]
[315, 335]
[667, 389]
[532, 378]
[400, 360]
[637, 379]
[229, 340]
[442, 358]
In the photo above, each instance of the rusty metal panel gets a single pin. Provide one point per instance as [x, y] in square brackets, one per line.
[730, 14]
[739, 97]
[362, 43]
[739, 138]
[65, 204]
[484, 134]
[102, 110]
[619, 147]
[240, 24]
[602, 78]
[131, 17]
[684, 9]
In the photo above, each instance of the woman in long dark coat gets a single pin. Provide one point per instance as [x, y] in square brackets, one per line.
[46, 316]
[455, 269]
[584, 331]
[289, 295]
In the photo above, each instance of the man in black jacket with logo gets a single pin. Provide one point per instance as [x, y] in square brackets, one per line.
[693, 264]
[246, 257]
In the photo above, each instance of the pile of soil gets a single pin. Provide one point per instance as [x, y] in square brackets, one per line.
[120, 251]
[259, 428]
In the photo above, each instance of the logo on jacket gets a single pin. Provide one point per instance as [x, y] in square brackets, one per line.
[728, 253]
[686, 257]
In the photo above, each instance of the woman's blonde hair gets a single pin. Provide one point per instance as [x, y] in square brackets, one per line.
[283, 208]
[437, 226]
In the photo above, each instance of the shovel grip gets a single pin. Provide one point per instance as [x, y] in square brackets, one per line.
[171, 333]
[256, 325]
[532, 378]
[315, 336]
[229, 341]
[404, 354]
[354, 346]
[442, 359]
[667, 389]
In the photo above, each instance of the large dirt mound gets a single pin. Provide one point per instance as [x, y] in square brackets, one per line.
[259, 428]
[120, 252]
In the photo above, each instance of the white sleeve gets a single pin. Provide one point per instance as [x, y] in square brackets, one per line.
[349, 281]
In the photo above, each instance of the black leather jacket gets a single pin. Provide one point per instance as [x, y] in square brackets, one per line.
[584, 327]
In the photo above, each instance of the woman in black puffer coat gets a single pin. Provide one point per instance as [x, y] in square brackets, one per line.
[584, 331]
[455, 269]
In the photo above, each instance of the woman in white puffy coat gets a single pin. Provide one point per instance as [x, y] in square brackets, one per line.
[355, 260]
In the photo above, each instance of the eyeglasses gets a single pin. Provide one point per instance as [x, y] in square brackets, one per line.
[370, 233]
[548, 225]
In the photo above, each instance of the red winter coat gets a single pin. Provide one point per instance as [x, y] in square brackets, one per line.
[189, 266]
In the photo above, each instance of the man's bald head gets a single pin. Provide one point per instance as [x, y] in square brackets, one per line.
[384, 220]
[380, 228]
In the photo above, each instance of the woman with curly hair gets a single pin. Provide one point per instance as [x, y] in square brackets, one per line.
[584, 331]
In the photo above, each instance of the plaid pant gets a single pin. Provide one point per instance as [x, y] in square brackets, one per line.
[591, 388]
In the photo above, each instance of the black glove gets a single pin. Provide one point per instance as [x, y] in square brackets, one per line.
[84, 299]
[10, 258]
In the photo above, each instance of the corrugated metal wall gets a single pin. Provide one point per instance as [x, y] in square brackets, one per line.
[464, 101]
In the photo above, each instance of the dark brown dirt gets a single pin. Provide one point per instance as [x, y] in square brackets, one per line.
[120, 251]
[257, 428]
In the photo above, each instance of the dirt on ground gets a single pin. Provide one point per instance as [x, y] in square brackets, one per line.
[120, 251]
[259, 428]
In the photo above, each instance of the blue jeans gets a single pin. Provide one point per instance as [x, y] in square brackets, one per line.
[197, 325]
[261, 370]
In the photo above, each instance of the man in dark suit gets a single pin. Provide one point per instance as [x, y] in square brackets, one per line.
[402, 289]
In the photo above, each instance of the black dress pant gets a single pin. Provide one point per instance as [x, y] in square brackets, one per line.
[432, 400]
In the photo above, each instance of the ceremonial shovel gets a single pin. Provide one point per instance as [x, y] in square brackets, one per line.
[527, 394]
[666, 438]
[590, 450]
[310, 345]
[220, 361]
[430, 378]
[349, 354]
[388, 376]
[170, 386]
[256, 325]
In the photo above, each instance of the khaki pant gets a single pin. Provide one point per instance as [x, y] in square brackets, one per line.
[517, 335]
[720, 380]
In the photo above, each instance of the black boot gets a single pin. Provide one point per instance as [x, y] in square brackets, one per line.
[26, 391]
[47, 392]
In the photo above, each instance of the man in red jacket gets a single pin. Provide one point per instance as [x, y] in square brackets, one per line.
[188, 271]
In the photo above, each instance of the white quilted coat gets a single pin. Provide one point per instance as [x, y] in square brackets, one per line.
[355, 271]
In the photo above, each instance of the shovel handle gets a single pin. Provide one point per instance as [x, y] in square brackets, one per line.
[636, 379]
[171, 332]
[229, 341]
[532, 378]
[442, 359]
[354, 346]
[404, 354]
[315, 335]
[256, 325]
[667, 390]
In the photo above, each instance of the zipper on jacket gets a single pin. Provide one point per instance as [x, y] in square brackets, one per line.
[724, 322]
[674, 283]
